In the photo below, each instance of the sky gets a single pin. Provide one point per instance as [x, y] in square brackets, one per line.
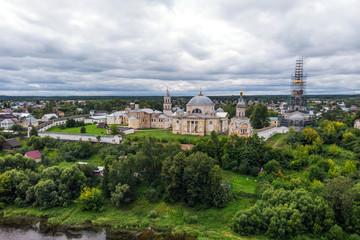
[141, 47]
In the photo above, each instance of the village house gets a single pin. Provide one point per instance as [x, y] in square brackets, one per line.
[10, 144]
[48, 117]
[36, 155]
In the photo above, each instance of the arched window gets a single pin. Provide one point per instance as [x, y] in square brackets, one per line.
[196, 110]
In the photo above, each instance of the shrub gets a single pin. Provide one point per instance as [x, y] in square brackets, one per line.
[90, 199]
[190, 219]
[152, 195]
[83, 129]
[152, 214]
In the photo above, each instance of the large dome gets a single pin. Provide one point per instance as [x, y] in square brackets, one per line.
[200, 100]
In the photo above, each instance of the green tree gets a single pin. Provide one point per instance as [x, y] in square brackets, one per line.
[121, 195]
[114, 129]
[46, 194]
[172, 177]
[90, 199]
[33, 131]
[83, 129]
[259, 115]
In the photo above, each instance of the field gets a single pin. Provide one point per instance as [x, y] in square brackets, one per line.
[209, 224]
[90, 129]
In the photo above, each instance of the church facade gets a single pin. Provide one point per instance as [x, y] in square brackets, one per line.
[240, 124]
[200, 118]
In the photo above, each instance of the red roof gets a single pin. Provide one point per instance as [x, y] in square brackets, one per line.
[33, 154]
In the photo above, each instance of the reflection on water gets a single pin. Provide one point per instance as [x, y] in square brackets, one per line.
[32, 234]
[32, 229]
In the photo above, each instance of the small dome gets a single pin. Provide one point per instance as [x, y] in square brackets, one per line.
[200, 100]
[220, 110]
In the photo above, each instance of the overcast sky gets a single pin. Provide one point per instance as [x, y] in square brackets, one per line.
[69, 47]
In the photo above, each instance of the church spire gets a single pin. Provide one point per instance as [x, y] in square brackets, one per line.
[167, 92]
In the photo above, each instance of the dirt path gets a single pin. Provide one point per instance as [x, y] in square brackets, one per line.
[277, 143]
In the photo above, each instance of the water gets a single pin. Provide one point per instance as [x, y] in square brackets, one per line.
[39, 229]
[21, 234]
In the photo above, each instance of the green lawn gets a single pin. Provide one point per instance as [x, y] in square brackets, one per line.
[90, 129]
[162, 134]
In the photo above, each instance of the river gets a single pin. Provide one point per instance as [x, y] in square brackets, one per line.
[39, 229]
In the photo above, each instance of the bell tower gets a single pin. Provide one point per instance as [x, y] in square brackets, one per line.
[167, 107]
[297, 100]
[240, 107]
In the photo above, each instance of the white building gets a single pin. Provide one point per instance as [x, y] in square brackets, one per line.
[48, 117]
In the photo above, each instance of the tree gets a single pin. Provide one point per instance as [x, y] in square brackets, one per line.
[2, 140]
[83, 129]
[33, 131]
[172, 177]
[46, 194]
[114, 129]
[259, 115]
[16, 127]
[90, 199]
[121, 195]
[284, 214]
[340, 197]
[70, 123]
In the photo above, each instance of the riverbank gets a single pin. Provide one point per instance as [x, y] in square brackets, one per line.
[22, 227]
[175, 219]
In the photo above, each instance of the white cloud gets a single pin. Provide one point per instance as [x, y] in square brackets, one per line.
[140, 47]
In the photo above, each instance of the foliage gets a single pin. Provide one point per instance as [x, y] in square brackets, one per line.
[121, 195]
[259, 115]
[90, 199]
[284, 214]
[83, 129]
[114, 129]
[33, 131]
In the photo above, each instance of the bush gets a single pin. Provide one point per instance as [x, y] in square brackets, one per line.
[83, 129]
[90, 199]
[152, 214]
[190, 219]
[152, 195]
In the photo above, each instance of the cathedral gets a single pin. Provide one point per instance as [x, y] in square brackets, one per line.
[200, 118]
[240, 124]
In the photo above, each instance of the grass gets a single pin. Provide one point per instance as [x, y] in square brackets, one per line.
[162, 134]
[2, 153]
[90, 129]
[211, 223]
[95, 160]
[279, 137]
[240, 183]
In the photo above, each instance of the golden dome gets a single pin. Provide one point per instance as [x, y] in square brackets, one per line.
[241, 93]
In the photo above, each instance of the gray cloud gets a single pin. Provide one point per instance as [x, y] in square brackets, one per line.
[140, 47]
